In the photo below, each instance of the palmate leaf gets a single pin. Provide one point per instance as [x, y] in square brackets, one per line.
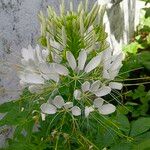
[140, 126]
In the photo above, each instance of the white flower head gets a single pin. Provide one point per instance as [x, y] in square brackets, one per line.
[111, 64]
[94, 62]
[35, 69]
[58, 103]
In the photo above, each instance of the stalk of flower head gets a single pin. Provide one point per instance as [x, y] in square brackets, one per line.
[74, 54]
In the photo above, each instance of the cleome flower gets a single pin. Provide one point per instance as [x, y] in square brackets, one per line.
[98, 90]
[62, 70]
[58, 102]
[35, 70]
[111, 64]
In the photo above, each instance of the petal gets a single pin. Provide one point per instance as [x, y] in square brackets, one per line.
[38, 54]
[71, 60]
[76, 111]
[77, 94]
[48, 108]
[60, 69]
[82, 59]
[85, 86]
[31, 78]
[113, 74]
[68, 105]
[106, 74]
[58, 101]
[52, 76]
[46, 68]
[93, 63]
[98, 102]
[116, 85]
[88, 110]
[45, 53]
[56, 57]
[107, 109]
[103, 91]
[117, 62]
[95, 86]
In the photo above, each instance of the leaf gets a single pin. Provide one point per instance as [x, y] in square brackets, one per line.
[132, 48]
[123, 122]
[5, 107]
[122, 146]
[139, 92]
[140, 126]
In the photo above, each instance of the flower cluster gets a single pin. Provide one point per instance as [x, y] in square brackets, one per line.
[92, 79]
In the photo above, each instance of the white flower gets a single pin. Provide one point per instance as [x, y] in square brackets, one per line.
[111, 64]
[35, 70]
[104, 109]
[95, 88]
[82, 60]
[58, 103]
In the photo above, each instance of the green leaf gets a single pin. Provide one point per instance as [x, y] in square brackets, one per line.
[140, 126]
[5, 107]
[132, 48]
[122, 146]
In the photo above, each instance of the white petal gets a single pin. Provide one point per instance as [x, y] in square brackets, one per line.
[95, 86]
[60, 69]
[71, 60]
[58, 102]
[31, 78]
[107, 109]
[117, 62]
[85, 86]
[68, 105]
[106, 74]
[46, 68]
[103, 91]
[113, 74]
[45, 53]
[98, 102]
[56, 57]
[77, 94]
[51, 76]
[39, 54]
[82, 59]
[76, 111]
[48, 108]
[88, 110]
[115, 85]
[93, 63]
[107, 54]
